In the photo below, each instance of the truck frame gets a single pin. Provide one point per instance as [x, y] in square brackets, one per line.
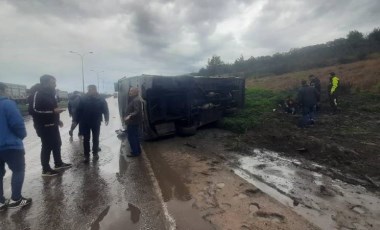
[181, 104]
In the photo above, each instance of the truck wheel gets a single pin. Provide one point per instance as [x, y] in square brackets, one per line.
[186, 131]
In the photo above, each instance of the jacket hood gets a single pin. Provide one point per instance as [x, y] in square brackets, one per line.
[3, 98]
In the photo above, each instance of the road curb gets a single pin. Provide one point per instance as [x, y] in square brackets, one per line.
[170, 223]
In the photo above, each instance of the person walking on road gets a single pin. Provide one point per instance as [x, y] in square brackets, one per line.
[133, 121]
[74, 101]
[333, 92]
[45, 114]
[89, 114]
[307, 99]
[12, 153]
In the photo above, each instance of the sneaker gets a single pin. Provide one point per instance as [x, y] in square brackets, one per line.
[71, 133]
[4, 206]
[95, 157]
[50, 172]
[63, 166]
[19, 203]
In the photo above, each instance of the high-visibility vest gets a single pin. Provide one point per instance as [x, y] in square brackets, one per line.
[334, 84]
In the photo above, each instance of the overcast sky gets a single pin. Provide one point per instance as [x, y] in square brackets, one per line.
[163, 37]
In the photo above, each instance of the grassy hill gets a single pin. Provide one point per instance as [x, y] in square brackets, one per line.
[362, 75]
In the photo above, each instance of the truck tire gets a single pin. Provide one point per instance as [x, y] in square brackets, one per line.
[186, 131]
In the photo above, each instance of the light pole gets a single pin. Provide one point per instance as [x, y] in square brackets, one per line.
[97, 76]
[82, 57]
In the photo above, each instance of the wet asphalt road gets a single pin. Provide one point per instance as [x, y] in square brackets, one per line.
[114, 193]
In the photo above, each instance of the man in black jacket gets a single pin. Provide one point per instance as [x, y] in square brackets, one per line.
[307, 99]
[316, 83]
[89, 114]
[45, 114]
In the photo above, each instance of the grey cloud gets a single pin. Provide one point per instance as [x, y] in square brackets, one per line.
[283, 25]
[131, 37]
[66, 9]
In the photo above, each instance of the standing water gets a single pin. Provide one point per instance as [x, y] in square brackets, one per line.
[326, 202]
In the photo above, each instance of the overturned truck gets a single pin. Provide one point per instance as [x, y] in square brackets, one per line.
[181, 104]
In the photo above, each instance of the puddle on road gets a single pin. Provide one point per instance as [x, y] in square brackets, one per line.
[175, 193]
[328, 203]
[115, 218]
[186, 216]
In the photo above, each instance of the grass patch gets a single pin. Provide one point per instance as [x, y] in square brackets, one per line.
[259, 105]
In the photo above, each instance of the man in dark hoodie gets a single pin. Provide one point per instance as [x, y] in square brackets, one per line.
[89, 114]
[12, 153]
[307, 99]
[45, 114]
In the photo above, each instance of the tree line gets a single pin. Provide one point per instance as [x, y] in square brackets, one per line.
[356, 46]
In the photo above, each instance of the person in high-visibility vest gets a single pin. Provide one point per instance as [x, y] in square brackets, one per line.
[333, 91]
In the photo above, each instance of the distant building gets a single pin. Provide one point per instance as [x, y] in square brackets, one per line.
[16, 92]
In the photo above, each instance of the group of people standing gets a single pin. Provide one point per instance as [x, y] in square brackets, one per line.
[309, 97]
[45, 112]
[86, 110]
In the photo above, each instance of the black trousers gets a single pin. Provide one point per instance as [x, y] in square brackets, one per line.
[51, 142]
[87, 129]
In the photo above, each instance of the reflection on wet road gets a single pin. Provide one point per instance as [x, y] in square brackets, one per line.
[113, 193]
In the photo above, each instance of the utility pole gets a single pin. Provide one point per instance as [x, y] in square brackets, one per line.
[82, 57]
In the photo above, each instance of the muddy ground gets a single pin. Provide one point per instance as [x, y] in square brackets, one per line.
[347, 142]
[203, 192]
[216, 187]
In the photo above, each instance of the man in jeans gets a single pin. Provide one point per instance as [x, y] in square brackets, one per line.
[46, 120]
[133, 120]
[12, 152]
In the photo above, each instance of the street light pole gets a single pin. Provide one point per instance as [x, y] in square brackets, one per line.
[97, 76]
[82, 57]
